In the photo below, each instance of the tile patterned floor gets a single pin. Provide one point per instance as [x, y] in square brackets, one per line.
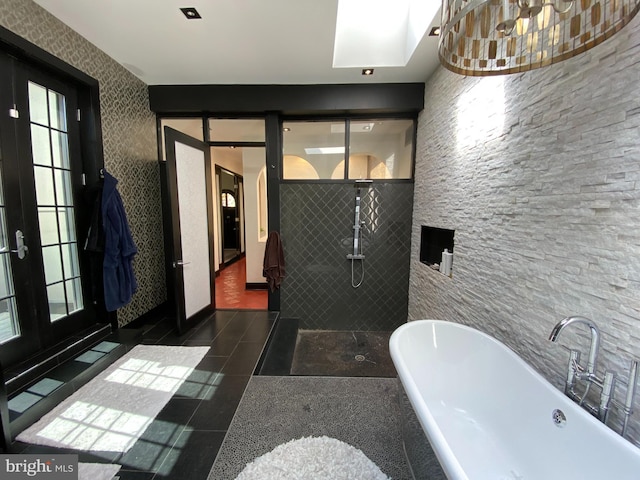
[183, 440]
[231, 289]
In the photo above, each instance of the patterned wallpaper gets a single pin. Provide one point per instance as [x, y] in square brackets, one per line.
[129, 136]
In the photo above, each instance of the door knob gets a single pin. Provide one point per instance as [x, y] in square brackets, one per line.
[180, 263]
[21, 249]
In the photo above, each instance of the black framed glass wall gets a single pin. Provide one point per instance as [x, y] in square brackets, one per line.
[379, 149]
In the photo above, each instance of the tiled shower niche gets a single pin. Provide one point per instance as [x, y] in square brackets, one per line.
[317, 234]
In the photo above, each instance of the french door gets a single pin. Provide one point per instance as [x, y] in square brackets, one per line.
[42, 273]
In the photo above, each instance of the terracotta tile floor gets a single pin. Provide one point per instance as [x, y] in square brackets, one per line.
[231, 292]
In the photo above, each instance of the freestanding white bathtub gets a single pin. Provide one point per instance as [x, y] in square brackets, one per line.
[489, 415]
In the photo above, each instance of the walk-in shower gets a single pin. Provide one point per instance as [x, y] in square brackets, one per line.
[358, 253]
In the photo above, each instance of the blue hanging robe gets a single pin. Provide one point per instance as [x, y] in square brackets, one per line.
[119, 249]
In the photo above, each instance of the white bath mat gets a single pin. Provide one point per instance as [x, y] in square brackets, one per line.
[320, 458]
[112, 411]
[97, 471]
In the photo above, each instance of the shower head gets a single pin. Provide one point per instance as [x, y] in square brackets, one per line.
[362, 183]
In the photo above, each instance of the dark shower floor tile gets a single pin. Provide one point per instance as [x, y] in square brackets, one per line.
[342, 354]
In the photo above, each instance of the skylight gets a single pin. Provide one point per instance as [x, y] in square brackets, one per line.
[380, 33]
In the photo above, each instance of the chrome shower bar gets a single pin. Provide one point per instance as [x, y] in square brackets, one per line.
[357, 225]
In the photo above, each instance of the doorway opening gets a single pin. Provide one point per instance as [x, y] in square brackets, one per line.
[239, 203]
[232, 214]
[241, 230]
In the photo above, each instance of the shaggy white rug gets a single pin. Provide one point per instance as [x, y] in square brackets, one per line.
[97, 471]
[113, 410]
[319, 458]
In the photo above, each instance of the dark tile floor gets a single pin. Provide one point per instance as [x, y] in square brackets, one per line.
[183, 441]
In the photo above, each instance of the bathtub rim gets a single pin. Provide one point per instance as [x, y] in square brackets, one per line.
[439, 444]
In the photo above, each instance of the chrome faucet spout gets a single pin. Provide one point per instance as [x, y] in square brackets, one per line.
[595, 338]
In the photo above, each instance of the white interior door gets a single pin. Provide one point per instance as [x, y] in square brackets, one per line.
[189, 182]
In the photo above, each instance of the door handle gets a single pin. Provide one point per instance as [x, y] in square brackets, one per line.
[21, 249]
[180, 263]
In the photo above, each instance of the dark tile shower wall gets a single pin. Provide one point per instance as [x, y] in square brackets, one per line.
[317, 234]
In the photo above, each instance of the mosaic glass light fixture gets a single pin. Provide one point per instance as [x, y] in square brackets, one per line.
[495, 37]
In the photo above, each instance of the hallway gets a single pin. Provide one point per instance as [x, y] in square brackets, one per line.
[231, 291]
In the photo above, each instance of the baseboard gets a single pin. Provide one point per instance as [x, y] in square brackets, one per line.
[256, 286]
[151, 316]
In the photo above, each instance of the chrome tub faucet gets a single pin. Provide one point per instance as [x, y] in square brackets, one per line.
[575, 372]
[593, 349]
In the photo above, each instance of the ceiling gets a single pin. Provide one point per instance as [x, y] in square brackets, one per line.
[235, 41]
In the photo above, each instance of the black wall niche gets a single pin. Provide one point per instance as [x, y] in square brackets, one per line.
[317, 234]
[433, 241]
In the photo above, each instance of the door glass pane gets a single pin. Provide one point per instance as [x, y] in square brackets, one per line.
[8, 320]
[63, 187]
[60, 149]
[40, 145]
[48, 225]
[52, 264]
[67, 228]
[9, 326]
[57, 112]
[38, 110]
[6, 285]
[57, 301]
[54, 194]
[70, 260]
[4, 242]
[6, 278]
[44, 186]
[74, 295]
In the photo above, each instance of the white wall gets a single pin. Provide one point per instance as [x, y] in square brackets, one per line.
[254, 161]
[539, 176]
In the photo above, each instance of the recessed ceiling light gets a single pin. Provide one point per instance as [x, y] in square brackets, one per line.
[435, 32]
[286, 129]
[367, 71]
[232, 146]
[191, 13]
